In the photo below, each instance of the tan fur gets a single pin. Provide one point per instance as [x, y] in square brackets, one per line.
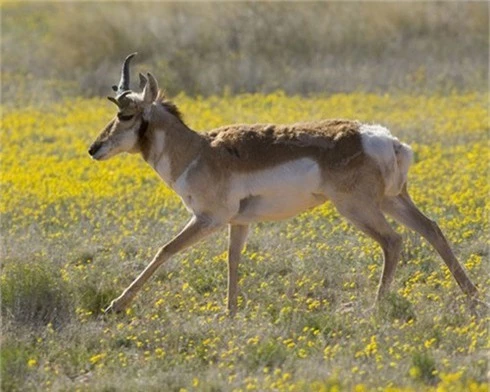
[181, 146]
[332, 143]
[169, 106]
[239, 174]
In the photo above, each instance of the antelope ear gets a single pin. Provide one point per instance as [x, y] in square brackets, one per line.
[150, 92]
[143, 81]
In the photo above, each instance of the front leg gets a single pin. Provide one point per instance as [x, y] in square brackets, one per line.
[198, 228]
[236, 242]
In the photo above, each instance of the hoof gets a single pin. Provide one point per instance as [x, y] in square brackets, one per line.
[478, 307]
[114, 308]
[346, 307]
[222, 316]
[371, 310]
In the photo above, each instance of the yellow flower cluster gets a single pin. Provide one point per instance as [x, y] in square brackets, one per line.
[305, 283]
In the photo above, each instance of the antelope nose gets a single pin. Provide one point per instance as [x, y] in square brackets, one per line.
[93, 149]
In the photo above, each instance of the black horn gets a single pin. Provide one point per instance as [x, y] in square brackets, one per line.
[124, 82]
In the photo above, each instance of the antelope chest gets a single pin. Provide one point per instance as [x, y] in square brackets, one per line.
[278, 192]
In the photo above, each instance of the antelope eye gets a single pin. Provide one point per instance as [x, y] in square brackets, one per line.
[125, 118]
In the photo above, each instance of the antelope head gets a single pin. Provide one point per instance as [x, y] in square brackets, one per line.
[123, 132]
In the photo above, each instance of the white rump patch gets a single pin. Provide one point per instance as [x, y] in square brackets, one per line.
[392, 156]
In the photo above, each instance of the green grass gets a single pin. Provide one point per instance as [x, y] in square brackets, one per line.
[76, 233]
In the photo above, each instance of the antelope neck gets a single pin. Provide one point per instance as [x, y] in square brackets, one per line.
[169, 150]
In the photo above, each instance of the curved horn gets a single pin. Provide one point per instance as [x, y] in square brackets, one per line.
[124, 82]
[114, 100]
[121, 100]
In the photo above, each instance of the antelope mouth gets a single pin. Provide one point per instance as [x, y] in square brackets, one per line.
[97, 152]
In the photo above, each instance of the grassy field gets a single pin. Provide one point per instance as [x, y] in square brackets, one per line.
[76, 232]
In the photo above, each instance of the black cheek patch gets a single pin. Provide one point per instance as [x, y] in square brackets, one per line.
[123, 117]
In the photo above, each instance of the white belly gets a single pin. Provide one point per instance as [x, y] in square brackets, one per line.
[279, 192]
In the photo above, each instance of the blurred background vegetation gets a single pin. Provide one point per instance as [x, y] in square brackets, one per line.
[50, 50]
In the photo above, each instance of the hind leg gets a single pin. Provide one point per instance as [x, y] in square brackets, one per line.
[236, 243]
[369, 219]
[406, 212]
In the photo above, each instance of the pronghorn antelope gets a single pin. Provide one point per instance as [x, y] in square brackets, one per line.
[240, 174]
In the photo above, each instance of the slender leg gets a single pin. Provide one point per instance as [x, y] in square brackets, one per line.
[195, 230]
[406, 212]
[236, 243]
[369, 219]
